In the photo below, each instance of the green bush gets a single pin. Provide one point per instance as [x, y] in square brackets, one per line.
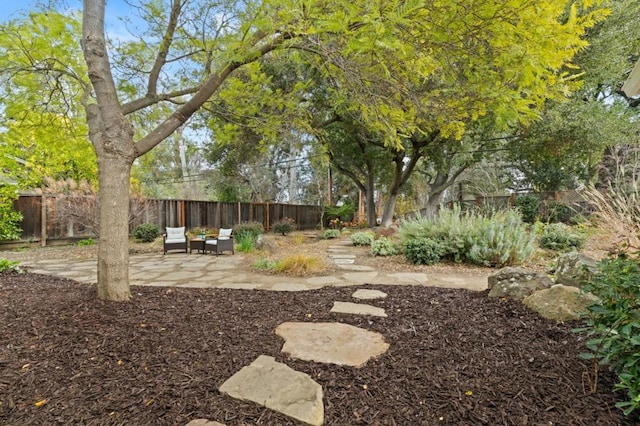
[497, 240]
[557, 212]
[501, 240]
[9, 218]
[613, 325]
[86, 242]
[383, 247]
[331, 233]
[424, 251]
[146, 232]
[9, 266]
[284, 226]
[559, 237]
[362, 239]
[254, 229]
[245, 243]
[529, 207]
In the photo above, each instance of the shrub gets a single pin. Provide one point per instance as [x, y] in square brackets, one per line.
[498, 240]
[9, 266]
[424, 251]
[362, 239]
[613, 325]
[146, 232]
[9, 218]
[245, 243]
[298, 265]
[501, 240]
[250, 228]
[331, 233]
[284, 226]
[86, 242]
[529, 207]
[383, 247]
[559, 237]
[557, 212]
[264, 264]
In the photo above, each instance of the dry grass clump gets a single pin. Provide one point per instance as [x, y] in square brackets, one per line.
[299, 265]
[619, 212]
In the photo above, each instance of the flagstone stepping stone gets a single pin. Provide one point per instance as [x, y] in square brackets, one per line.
[344, 261]
[342, 256]
[331, 342]
[364, 294]
[357, 309]
[203, 422]
[278, 387]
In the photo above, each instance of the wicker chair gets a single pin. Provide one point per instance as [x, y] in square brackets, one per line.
[224, 242]
[175, 239]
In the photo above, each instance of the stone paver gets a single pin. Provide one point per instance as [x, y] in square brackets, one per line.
[279, 388]
[203, 422]
[365, 294]
[208, 271]
[357, 309]
[330, 342]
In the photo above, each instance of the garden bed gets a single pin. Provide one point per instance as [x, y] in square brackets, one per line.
[456, 357]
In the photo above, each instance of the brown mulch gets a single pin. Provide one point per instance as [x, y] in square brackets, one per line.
[456, 357]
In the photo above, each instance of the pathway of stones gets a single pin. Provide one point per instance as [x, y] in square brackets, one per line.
[278, 387]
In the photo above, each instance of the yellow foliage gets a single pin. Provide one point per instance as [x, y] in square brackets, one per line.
[299, 265]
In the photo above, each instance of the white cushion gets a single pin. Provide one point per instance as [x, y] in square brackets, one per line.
[225, 233]
[175, 240]
[212, 242]
[175, 233]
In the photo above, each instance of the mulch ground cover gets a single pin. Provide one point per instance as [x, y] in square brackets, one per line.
[456, 358]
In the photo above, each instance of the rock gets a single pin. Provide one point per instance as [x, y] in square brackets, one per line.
[278, 387]
[574, 269]
[357, 309]
[332, 343]
[203, 422]
[560, 302]
[364, 294]
[516, 283]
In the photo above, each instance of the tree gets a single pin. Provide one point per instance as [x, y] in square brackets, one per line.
[42, 130]
[499, 55]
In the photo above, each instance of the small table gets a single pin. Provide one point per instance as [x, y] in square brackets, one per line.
[196, 244]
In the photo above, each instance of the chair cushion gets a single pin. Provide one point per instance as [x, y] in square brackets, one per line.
[175, 233]
[212, 242]
[224, 233]
[175, 240]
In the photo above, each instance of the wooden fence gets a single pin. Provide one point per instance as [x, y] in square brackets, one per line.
[63, 217]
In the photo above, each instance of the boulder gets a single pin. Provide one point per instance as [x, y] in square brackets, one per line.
[574, 269]
[560, 302]
[516, 283]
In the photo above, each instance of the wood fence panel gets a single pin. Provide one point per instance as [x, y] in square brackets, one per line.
[76, 216]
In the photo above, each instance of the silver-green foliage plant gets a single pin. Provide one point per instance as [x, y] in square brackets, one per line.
[497, 240]
[362, 238]
[501, 240]
[383, 246]
[560, 237]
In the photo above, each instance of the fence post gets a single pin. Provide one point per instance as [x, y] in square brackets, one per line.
[43, 221]
[267, 215]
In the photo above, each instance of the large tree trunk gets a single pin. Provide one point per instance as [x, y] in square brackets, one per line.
[371, 202]
[113, 251]
[389, 208]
